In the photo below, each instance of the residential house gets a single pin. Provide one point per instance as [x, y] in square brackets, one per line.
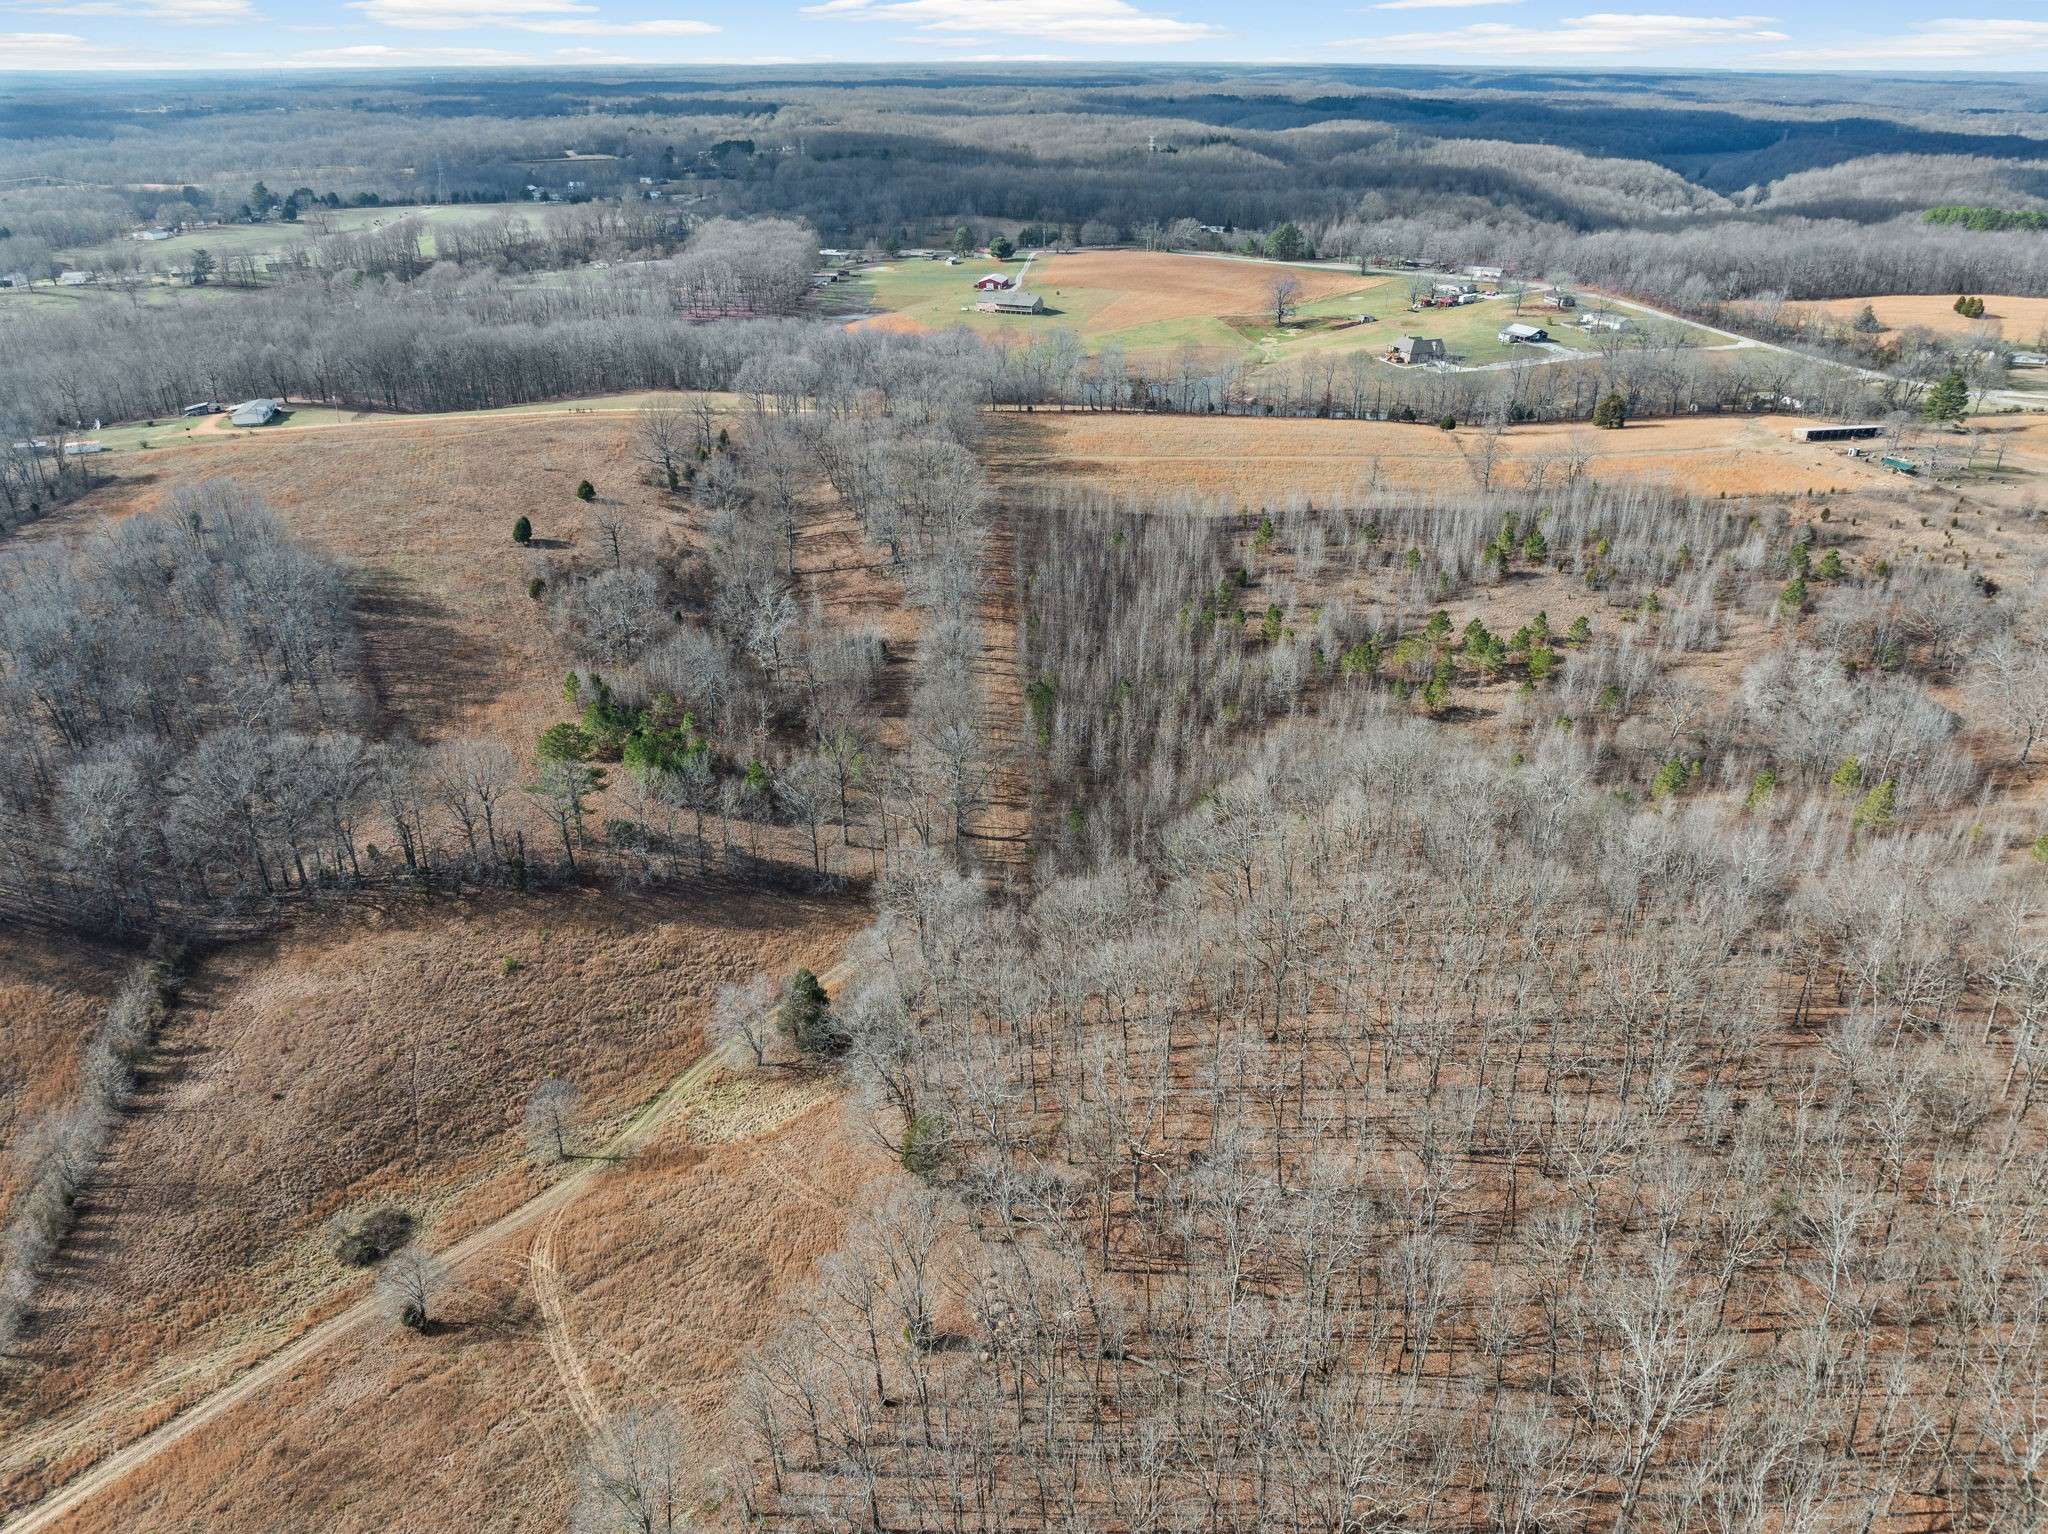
[1409, 350]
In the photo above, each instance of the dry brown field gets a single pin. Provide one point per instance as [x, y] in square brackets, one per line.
[1246, 459]
[380, 1055]
[52, 992]
[645, 1292]
[2016, 319]
[1156, 285]
[420, 512]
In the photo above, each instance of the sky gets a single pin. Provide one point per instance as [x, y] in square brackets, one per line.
[155, 35]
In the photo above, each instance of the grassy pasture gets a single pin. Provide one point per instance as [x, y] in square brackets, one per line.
[265, 240]
[1155, 305]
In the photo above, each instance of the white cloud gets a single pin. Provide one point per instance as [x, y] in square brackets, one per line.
[1438, 5]
[1947, 40]
[1602, 35]
[382, 54]
[1056, 21]
[40, 47]
[594, 28]
[558, 18]
[188, 12]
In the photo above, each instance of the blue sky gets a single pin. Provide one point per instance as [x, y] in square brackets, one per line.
[272, 34]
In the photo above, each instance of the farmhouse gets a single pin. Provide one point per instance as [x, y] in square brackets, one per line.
[255, 412]
[2027, 360]
[1012, 303]
[994, 282]
[203, 407]
[1486, 273]
[14, 280]
[1409, 350]
[1561, 300]
[1513, 333]
[1603, 322]
[73, 279]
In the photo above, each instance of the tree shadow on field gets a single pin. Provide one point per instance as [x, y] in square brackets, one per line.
[1019, 448]
[500, 1309]
[422, 668]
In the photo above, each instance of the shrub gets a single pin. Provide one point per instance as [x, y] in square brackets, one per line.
[565, 742]
[1670, 778]
[1611, 413]
[535, 587]
[1761, 787]
[1874, 812]
[805, 1016]
[374, 1237]
[1949, 399]
[924, 1145]
[522, 531]
[585, 491]
[1449, 423]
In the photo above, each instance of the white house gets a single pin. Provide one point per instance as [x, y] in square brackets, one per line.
[255, 412]
[73, 279]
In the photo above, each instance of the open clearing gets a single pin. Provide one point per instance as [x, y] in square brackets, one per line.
[265, 240]
[52, 993]
[1249, 460]
[379, 1056]
[2020, 320]
[421, 511]
[647, 1288]
[1157, 304]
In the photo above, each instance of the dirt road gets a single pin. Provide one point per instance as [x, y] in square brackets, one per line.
[279, 1366]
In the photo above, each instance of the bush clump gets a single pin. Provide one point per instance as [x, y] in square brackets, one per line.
[805, 1017]
[374, 1237]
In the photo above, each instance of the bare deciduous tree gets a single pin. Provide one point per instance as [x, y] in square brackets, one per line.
[549, 1122]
